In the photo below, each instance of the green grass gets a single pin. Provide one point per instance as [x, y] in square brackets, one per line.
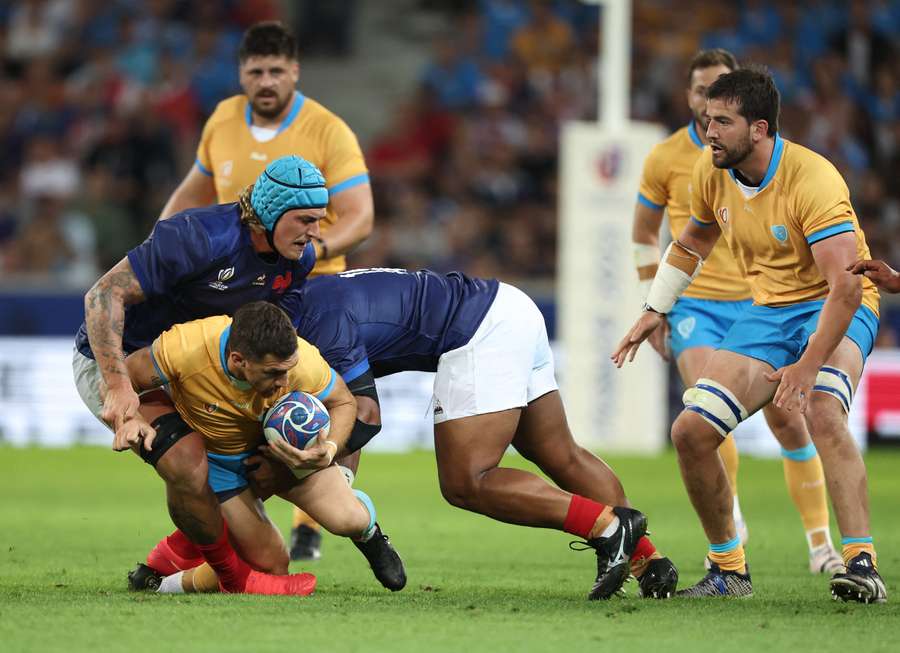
[73, 522]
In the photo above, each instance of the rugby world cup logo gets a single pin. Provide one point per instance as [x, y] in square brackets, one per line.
[226, 274]
[723, 214]
[608, 164]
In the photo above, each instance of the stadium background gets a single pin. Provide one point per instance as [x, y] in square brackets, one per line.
[460, 115]
[458, 105]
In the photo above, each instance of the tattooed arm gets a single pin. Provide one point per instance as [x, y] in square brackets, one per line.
[104, 313]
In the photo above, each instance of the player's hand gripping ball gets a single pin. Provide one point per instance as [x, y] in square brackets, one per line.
[297, 419]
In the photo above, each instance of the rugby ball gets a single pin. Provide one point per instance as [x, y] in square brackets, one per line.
[297, 418]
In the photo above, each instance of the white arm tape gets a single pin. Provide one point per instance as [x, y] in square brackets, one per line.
[669, 283]
[645, 255]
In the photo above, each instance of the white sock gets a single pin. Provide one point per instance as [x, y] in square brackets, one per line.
[827, 543]
[171, 584]
[610, 530]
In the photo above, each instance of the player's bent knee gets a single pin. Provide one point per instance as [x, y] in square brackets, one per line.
[692, 435]
[458, 491]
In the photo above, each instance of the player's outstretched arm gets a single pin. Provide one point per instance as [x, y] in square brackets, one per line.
[104, 314]
[833, 257]
[645, 243]
[680, 265]
[882, 274]
[196, 189]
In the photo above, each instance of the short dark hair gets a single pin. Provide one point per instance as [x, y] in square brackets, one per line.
[710, 58]
[754, 91]
[260, 329]
[268, 39]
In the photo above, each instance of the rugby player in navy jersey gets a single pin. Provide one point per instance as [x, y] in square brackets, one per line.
[201, 262]
[494, 386]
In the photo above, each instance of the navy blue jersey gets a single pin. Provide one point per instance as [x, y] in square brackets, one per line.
[388, 320]
[198, 263]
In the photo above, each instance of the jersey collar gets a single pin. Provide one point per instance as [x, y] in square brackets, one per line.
[695, 137]
[777, 152]
[297, 104]
[223, 359]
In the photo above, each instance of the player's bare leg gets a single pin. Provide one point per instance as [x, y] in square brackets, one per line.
[469, 450]
[805, 480]
[543, 437]
[192, 504]
[690, 365]
[696, 441]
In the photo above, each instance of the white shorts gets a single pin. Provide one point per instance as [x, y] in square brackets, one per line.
[87, 381]
[506, 364]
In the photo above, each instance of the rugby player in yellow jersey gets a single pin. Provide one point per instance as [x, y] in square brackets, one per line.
[700, 319]
[270, 120]
[223, 374]
[785, 213]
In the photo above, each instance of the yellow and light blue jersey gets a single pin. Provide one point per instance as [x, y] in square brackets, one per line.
[801, 200]
[231, 155]
[190, 359]
[666, 184]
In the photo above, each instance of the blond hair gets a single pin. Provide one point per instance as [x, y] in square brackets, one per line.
[248, 215]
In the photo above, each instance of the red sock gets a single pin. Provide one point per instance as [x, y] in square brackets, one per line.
[181, 545]
[582, 516]
[644, 549]
[174, 553]
[231, 570]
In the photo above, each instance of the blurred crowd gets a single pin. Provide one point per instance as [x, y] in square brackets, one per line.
[467, 172]
[104, 100]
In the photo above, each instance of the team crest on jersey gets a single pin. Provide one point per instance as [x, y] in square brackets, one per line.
[282, 283]
[780, 233]
[227, 167]
[723, 214]
[686, 327]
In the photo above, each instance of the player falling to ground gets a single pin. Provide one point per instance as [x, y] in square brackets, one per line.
[269, 120]
[786, 216]
[702, 316]
[494, 386]
[223, 375]
[200, 262]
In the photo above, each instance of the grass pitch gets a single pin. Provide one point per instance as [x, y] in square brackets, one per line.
[73, 522]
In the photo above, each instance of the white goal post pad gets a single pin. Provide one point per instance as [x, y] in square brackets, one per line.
[598, 299]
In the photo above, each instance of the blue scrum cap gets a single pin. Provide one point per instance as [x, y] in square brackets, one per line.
[287, 183]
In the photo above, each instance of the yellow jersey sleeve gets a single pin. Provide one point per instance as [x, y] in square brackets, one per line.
[701, 212]
[653, 191]
[344, 165]
[822, 206]
[167, 353]
[204, 161]
[311, 374]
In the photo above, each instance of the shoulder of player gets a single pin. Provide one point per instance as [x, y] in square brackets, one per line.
[229, 110]
[808, 164]
[219, 225]
[320, 118]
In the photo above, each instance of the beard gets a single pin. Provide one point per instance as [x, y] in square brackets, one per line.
[732, 157]
[273, 110]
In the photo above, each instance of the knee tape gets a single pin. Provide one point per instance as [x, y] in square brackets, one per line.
[367, 502]
[716, 404]
[170, 428]
[835, 382]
